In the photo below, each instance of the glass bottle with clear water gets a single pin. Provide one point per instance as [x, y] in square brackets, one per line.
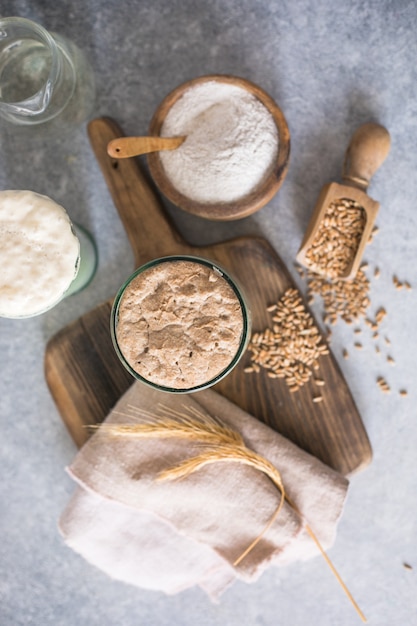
[44, 77]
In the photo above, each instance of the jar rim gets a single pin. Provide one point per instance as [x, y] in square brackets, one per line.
[246, 320]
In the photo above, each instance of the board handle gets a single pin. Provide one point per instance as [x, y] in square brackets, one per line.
[368, 149]
[148, 227]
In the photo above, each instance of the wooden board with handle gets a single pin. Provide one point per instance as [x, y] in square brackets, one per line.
[86, 379]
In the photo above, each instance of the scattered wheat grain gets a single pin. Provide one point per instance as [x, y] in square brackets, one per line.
[347, 299]
[383, 385]
[380, 314]
[292, 348]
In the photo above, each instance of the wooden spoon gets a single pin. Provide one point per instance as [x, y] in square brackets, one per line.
[125, 147]
[368, 149]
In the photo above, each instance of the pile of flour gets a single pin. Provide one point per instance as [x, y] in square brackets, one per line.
[231, 143]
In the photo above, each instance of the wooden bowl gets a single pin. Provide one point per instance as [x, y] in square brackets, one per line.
[246, 205]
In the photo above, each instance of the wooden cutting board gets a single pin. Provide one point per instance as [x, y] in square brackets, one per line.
[86, 379]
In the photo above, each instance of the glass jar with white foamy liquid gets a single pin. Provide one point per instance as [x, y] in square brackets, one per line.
[44, 77]
[42, 258]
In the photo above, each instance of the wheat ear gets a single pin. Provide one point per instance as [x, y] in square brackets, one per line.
[222, 444]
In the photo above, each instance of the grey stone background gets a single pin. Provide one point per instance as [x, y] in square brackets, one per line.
[331, 65]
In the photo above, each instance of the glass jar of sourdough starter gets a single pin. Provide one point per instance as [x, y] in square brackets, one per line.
[180, 324]
[43, 256]
[43, 76]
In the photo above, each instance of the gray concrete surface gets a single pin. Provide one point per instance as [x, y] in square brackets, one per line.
[331, 65]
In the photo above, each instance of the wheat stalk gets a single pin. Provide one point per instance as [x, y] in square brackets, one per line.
[195, 426]
[220, 444]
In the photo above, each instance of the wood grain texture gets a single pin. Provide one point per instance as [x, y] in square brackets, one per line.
[86, 379]
[367, 150]
[126, 147]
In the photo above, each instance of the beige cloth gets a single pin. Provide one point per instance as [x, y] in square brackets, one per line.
[173, 535]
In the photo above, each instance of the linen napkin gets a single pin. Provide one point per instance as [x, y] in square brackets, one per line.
[170, 536]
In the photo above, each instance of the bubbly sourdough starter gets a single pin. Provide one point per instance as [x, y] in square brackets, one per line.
[39, 253]
[180, 324]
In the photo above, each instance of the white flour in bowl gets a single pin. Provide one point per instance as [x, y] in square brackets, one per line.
[230, 147]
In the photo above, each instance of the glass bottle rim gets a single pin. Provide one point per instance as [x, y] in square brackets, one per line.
[54, 72]
[246, 319]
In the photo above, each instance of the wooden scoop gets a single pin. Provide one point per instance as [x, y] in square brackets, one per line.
[368, 149]
[125, 147]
